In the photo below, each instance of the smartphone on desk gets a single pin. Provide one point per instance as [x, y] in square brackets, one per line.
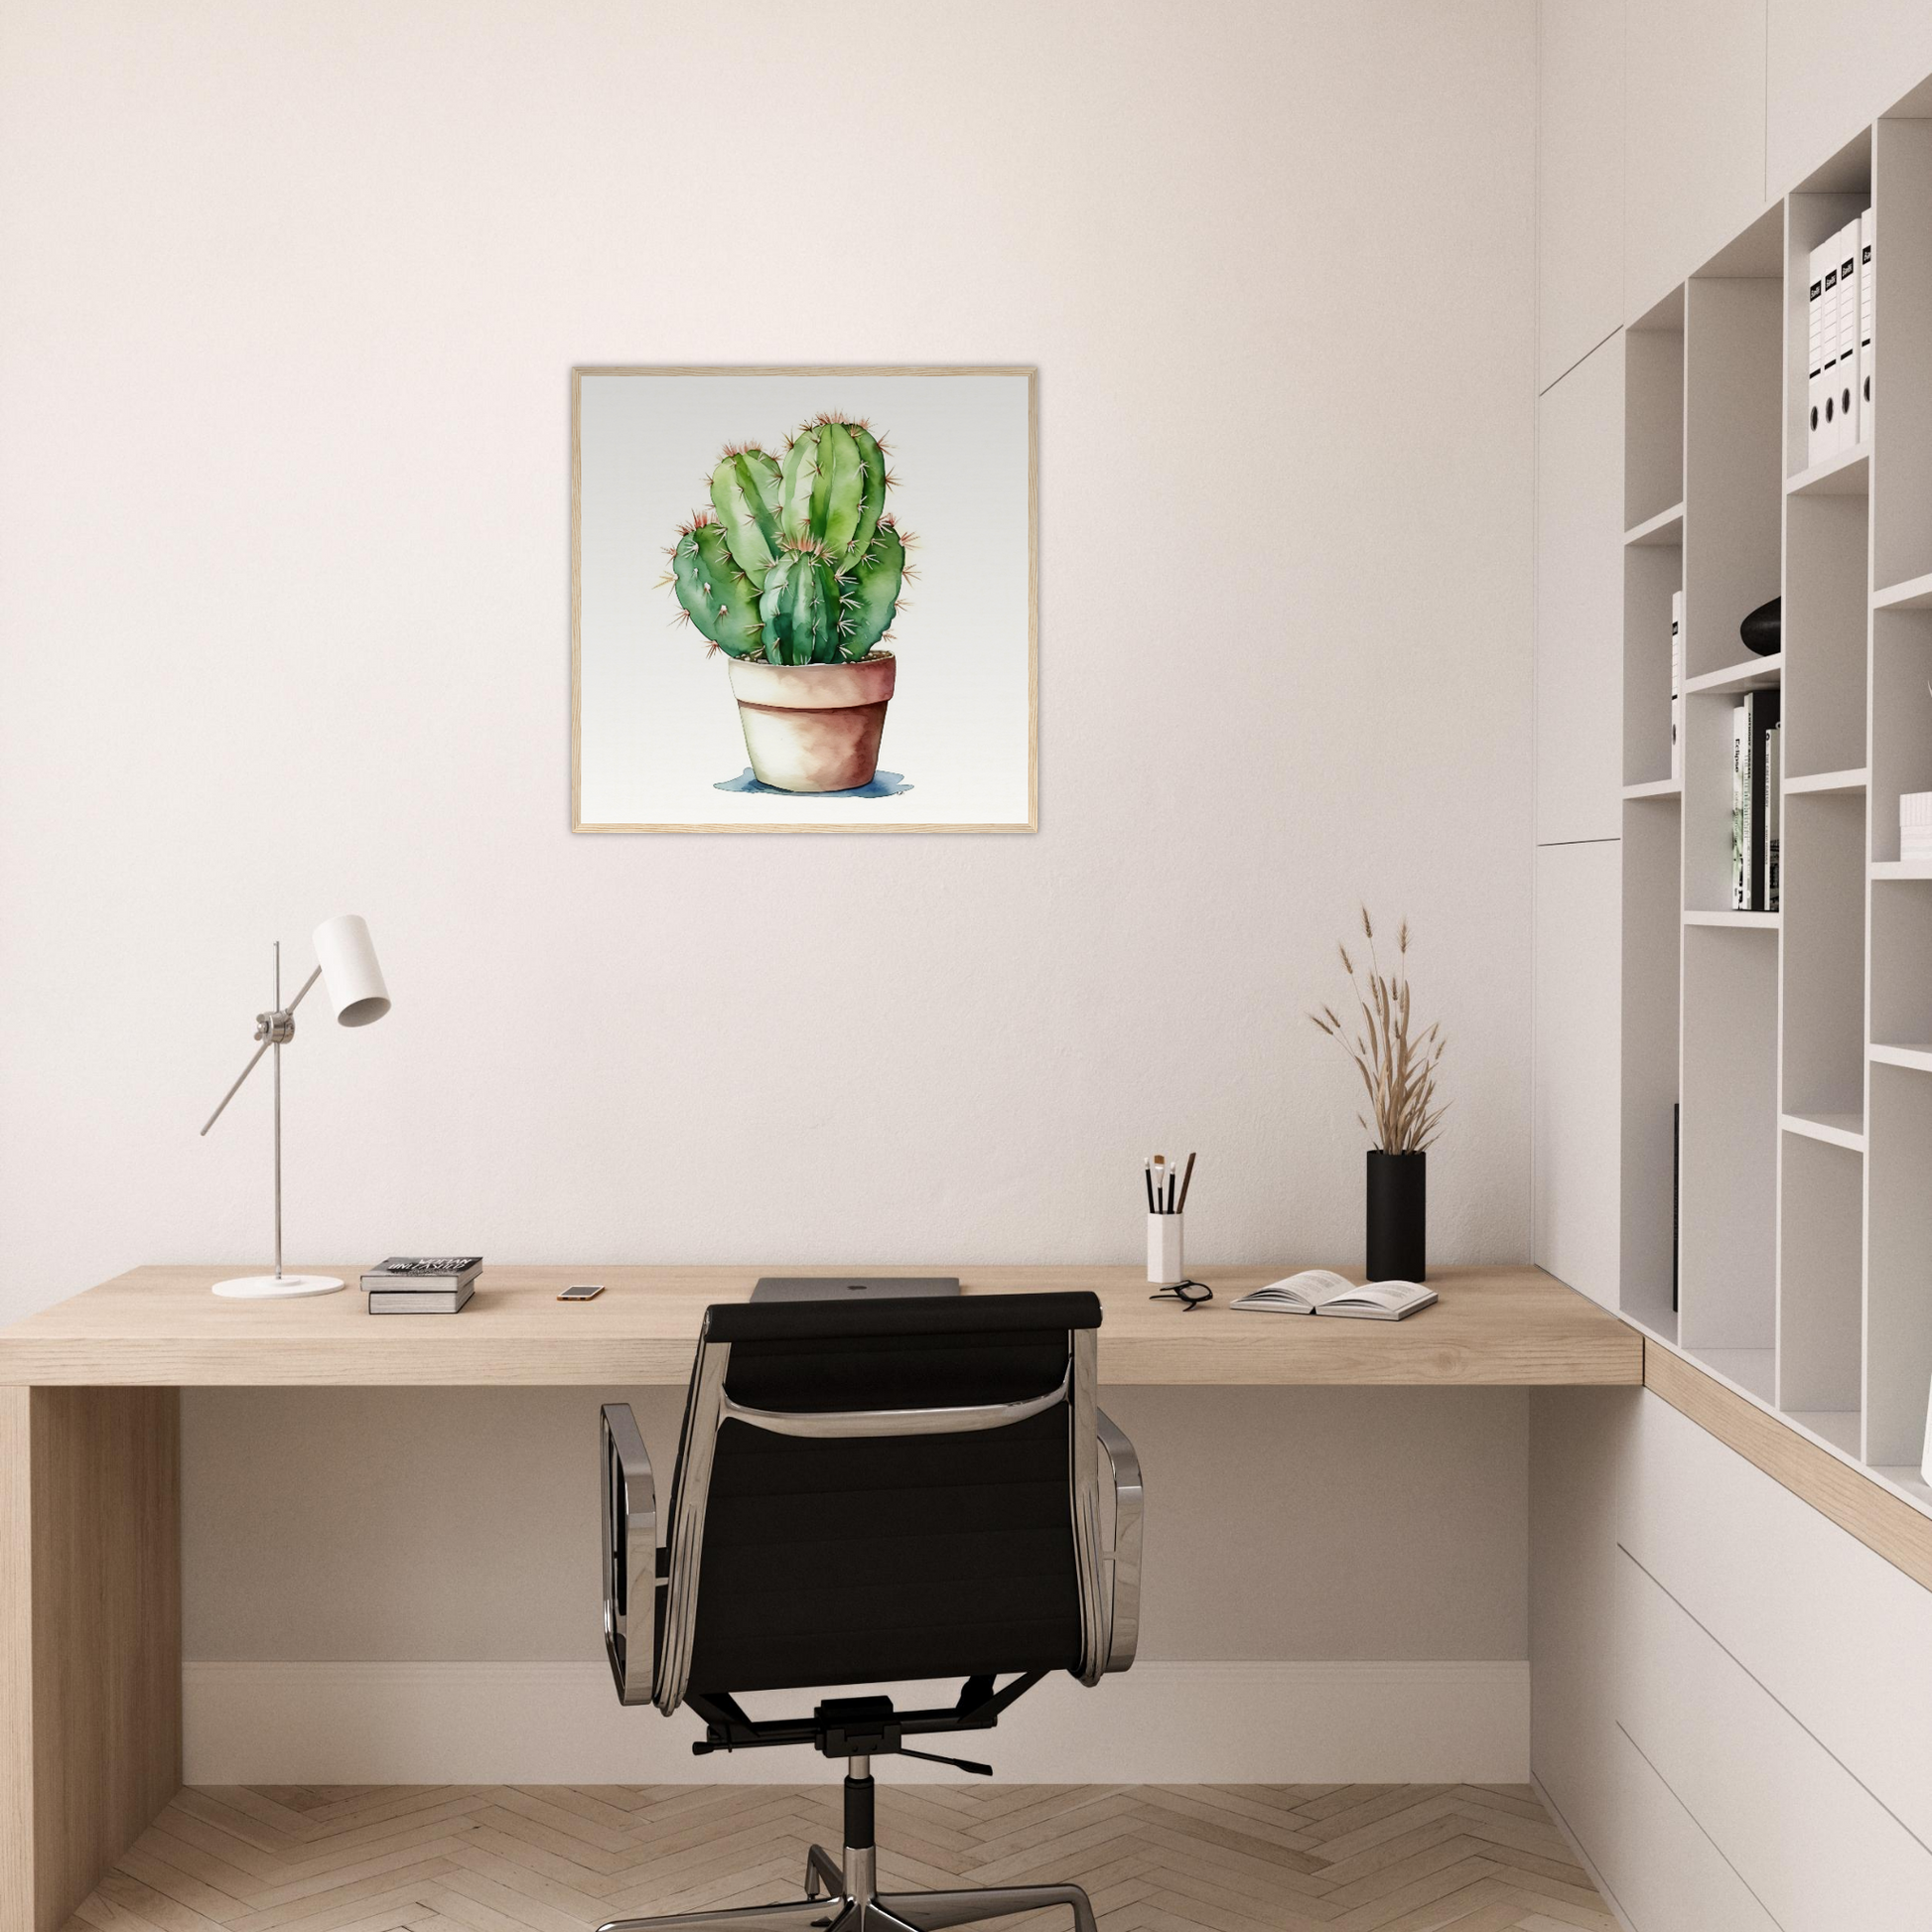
[581, 1292]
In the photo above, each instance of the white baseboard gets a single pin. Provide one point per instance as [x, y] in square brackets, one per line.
[560, 1723]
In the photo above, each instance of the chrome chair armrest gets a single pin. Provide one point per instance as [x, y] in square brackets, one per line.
[839, 1424]
[630, 1555]
[1124, 1558]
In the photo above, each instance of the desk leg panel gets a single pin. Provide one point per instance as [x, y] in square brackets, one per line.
[89, 1637]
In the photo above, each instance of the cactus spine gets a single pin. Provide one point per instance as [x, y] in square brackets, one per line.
[801, 565]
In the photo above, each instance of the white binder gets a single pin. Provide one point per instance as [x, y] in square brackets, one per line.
[1815, 445]
[1828, 435]
[1848, 337]
[1865, 304]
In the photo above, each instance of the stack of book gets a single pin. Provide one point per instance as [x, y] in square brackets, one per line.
[1839, 363]
[1754, 803]
[422, 1283]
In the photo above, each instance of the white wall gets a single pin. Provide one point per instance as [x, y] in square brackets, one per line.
[290, 303]
[291, 300]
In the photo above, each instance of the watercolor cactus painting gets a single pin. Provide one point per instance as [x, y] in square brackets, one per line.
[796, 573]
[744, 654]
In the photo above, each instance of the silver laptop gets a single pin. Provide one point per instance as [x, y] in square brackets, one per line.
[849, 1288]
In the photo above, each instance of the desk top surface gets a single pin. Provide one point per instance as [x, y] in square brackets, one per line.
[160, 1326]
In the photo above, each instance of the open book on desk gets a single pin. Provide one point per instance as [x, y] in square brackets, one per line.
[1321, 1291]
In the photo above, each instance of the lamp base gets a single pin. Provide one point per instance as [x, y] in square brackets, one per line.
[276, 1288]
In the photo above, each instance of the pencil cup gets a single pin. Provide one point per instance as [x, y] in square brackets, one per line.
[1164, 1248]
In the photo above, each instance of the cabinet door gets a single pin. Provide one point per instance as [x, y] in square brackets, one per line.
[1693, 137]
[1579, 180]
[1574, 1112]
[1580, 602]
[1832, 67]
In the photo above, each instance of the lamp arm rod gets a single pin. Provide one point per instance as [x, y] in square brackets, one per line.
[236, 1088]
[268, 1040]
[304, 994]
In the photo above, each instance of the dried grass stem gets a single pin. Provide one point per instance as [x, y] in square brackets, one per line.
[1398, 1065]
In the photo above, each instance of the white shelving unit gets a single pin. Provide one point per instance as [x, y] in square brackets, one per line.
[1797, 1044]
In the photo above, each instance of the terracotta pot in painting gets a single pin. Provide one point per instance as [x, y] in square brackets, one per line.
[813, 727]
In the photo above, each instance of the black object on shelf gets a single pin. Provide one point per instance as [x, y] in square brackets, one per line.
[1763, 630]
[1398, 1216]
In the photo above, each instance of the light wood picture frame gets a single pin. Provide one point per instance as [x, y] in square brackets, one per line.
[758, 644]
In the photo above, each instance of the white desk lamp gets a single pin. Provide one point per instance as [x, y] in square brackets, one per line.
[353, 983]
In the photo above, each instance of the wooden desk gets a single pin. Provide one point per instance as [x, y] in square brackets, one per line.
[161, 1327]
[89, 1461]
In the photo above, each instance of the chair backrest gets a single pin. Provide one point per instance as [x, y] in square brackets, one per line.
[885, 1491]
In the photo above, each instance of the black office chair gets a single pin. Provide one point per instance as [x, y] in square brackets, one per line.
[867, 1494]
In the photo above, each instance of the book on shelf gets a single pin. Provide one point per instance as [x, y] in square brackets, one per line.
[1677, 687]
[423, 1274]
[1752, 819]
[420, 1300]
[1321, 1291]
[1773, 807]
[1741, 812]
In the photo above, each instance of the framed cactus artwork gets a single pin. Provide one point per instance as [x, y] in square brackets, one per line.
[803, 600]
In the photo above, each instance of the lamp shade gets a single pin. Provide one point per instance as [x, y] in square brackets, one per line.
[350, 976]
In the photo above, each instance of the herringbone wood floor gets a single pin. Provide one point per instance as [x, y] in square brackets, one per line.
[562, 1858]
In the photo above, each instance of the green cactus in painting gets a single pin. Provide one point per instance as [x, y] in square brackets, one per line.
[801, 565]
[873, 601]
[717, 596]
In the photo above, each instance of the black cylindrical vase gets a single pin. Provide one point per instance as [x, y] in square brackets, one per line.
[1398, 1216]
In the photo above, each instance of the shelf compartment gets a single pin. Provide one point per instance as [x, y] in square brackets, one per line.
[1821, 1258]
[1901, 964]
[1901, 718]
[1898, 1298]
[1708, 720]
[1823, 922]
[1653, 940]
[1846, 475]
[1734, 471]
[1651, 576]
[1826, 577]
[1826, 782]
[1813, 213]
[1664, 532]
[1915, 594]
[1835, 1130]
[1902, 463]
[1728, 1239]
[1753, 674]
[1653, 414]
